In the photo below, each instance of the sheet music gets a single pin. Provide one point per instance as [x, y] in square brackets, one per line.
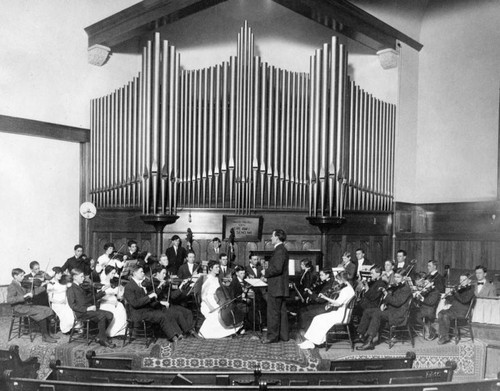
[256, 282]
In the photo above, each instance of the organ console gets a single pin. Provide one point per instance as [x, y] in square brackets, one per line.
[243, 135]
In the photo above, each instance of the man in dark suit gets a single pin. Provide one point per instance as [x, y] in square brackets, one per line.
[254, 270]
[176, 255]
[82, 304]
[277, 281]
[395, 305]
[433, 276]
[360, 261]
[214, 250]
[78, 261]
[142, 308]
[226, 272]
[190, 268]
[349, 267]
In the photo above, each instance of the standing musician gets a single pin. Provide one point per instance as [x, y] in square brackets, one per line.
[190, 268]
[78, 261]
[483, 288]
[37, 279]
[17, 296]
[176, 255]
[214, 249]
[166, 296]
[84, 306]
[336, 308]
[427, 298]
[460, 298]
[144, 306]
[210, 306]
[395, 303]
[277, 291]
[315, 303]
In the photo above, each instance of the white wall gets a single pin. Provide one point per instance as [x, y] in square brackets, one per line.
[458, 102]
[38, 201]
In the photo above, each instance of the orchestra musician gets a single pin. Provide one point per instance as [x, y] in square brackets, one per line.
[167, 297]
[349, 267]
[254, 270]
[395, 302]
[37, 279]
[434, 276]
[483, 288]
[460, 299]
[84, 306]
[371, 291]
[111, 301]
[58, 301]
[17, 297]
[210, 307]
[143, 306]
[315, 303]
[360, 262]
[316, 333]
[388, 273]
[239, 290]
[190, 268]
[78, 261]
[402, 263]
[226, 271]
[214, 249]
[109, 258]
[307, 278]
[176, 255]
[426, 300]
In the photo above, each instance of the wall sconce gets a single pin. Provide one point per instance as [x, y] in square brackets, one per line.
[388, 58]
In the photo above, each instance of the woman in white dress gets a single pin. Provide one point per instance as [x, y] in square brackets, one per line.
[212, 327]
[110, 302]
[107, 259]
[56, 290]
[316, 333]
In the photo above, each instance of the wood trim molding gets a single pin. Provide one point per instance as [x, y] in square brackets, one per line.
[29, 127]
[339, 15]
[351, 21]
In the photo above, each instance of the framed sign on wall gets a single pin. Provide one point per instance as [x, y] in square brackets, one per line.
[246, 228]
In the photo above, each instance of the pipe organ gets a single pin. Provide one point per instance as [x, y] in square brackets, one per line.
[242, 135]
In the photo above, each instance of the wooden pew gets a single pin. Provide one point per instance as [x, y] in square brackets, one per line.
[374, 364]
[96, 375]
[104, 362]
[21, 384]
[10, 360]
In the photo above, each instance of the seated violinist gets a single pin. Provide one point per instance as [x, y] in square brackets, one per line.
[111, 301]
[388, 273]
[190, 268]
[395, 302]
[144, 306]
[307, 278]
[426, 300]
[336, 308]
[212, 305]
[37, 279]
[84, 307]
[78, 261]
[435, 277]
[460, 298]
[109, 258]
[371, 292]
[168, 297]
[315, 303]
[19, 299]
[239, 290]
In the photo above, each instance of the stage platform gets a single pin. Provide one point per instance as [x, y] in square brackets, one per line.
[246, 353]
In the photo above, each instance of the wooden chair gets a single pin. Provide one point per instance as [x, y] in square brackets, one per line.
[393, 333]
[21, 324]
[87, 332]
[463, 326]
[342, 329]
[141, 331]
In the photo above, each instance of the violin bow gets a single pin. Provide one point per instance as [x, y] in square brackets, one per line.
[116, 253]
[152, 282]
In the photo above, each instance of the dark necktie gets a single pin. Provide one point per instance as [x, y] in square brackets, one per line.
[480, 283]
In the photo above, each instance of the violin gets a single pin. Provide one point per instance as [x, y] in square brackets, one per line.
[333, 293]
[458, 288]
[391, 287]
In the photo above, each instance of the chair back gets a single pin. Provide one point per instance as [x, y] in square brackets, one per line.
[470, 310]
[348, 310]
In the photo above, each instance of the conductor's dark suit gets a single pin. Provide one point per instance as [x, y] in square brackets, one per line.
[175, 259]
[277, 290]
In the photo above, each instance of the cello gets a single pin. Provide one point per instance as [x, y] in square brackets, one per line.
[230, 316]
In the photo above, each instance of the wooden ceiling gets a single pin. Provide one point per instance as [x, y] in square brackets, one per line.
[339, 15]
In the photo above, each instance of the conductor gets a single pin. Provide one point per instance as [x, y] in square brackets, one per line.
[277, 281]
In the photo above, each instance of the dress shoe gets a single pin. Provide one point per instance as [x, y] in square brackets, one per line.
[48, 339]
[368, 345]
[432, 336]
[360, 339]
[266, 341]
[193, 334]
[106, 344]
[442, 341]
[55, 336]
